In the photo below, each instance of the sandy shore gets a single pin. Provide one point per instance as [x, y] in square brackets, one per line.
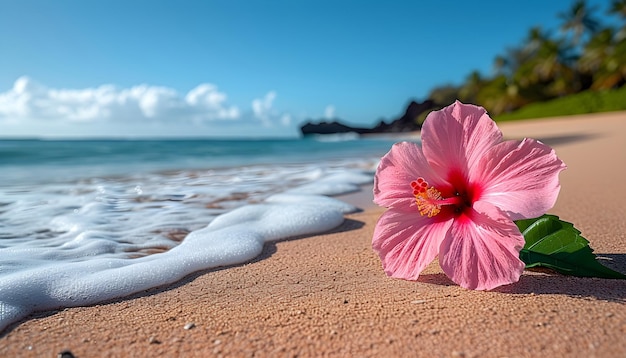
[328, 296]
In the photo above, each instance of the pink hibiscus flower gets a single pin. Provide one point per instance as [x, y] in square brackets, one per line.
[456, 197]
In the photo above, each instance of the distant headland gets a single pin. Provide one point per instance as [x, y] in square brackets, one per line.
[408, 122]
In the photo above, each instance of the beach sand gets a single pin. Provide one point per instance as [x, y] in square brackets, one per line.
[327, 295]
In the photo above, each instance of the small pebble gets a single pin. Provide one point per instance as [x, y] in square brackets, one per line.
[153, 340]
[65, 354]
[190, 325]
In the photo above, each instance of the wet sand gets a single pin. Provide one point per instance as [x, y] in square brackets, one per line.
[327, 295]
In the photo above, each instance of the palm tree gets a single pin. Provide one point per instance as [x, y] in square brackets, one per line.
[500, 64]
[554, 65]
[500, 95]
[535, 39]
[579, 20]
[518, 59]
[509, 63]
[618, 7]
[604, 60]
[442, 95]
[545, 67]
[472, 86]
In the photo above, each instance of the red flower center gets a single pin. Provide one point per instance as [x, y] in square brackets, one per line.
[430, 201]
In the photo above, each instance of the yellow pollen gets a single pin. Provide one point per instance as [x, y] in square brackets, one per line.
[426, 198]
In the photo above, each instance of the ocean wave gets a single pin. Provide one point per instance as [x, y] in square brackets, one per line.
[82, 242]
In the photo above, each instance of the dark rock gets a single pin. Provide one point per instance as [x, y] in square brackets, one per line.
[406, 123]
[329, 128]
[65, 354]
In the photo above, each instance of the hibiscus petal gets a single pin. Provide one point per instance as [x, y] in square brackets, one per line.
[407, 242]
[456, 137]
[520, 177]
[481, 251]
[397, 169]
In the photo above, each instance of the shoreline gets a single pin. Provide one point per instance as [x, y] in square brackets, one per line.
[326, 295]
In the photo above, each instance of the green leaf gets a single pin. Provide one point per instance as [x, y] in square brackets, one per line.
[557, 244]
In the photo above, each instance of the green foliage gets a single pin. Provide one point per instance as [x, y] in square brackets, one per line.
[444, 94]
[588, 55]
[558, 245]
[580, 103]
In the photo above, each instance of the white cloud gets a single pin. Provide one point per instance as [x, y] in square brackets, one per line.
[263, 110]
[31, 105]
[329, 112]
[262, 107]
[285, 119]
[208, 103]
[29, 100]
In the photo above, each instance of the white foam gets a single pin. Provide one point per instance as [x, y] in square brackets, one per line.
[87, 261]
[335, 184]
[337, 137]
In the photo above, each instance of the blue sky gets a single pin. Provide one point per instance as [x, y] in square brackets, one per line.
[240, 68]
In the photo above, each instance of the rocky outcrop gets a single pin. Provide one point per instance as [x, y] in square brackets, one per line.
[406, 123]
[330, 128]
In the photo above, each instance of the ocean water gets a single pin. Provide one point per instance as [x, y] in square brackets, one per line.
[82, 222]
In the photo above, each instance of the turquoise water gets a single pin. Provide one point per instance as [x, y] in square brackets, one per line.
[25, 161]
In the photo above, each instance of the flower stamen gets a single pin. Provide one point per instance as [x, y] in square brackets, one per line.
[428, 199]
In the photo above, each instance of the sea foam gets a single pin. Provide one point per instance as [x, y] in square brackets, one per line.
[86, 265]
